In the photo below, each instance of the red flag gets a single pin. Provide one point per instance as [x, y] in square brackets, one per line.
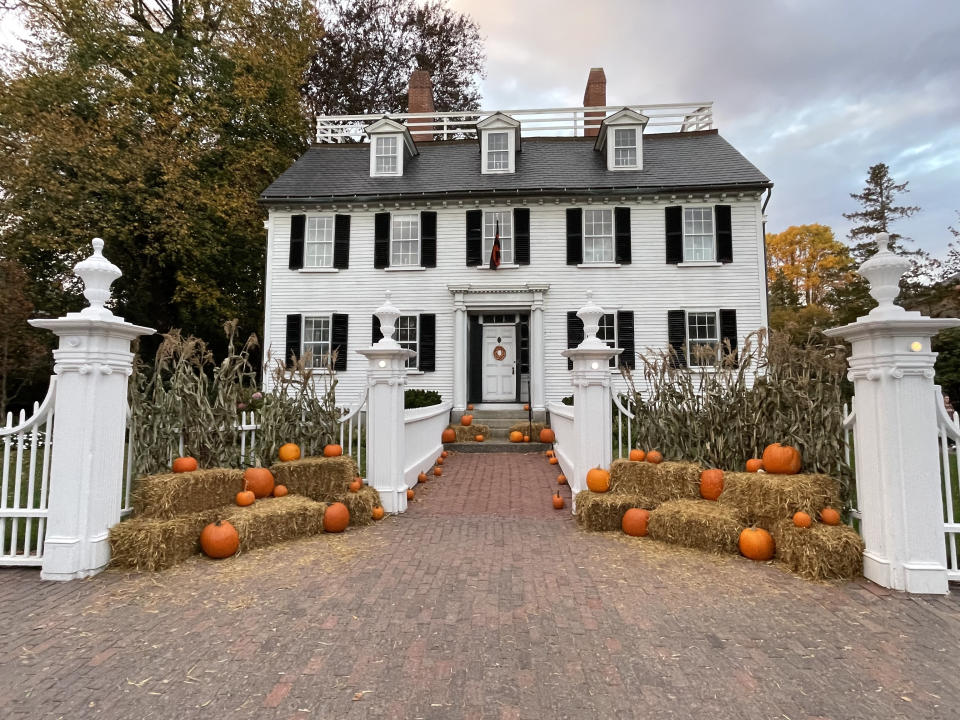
[495, 252]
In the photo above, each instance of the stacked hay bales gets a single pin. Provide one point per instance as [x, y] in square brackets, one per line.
[604, 511]
[468, 433]
[700, 524]
[528, 428]
[318, 478]
[820, 552]
[169, 495]
[765, 498]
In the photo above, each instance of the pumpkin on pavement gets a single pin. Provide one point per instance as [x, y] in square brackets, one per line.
[377, 513]
[558, 501]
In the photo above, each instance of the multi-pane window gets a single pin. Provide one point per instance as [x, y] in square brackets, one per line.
[608, 333]
[405, 240]
[598, 236]
[698, 242]
[318, 244]
[498, 151]
[386, 157]
[407, 337]
[703, 342]
[502, 221]
[316, 340]
[625, 147]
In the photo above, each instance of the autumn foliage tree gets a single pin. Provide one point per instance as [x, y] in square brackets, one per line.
[810, 259]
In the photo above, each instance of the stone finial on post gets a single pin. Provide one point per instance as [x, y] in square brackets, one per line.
[92, 364]
[592, 419]
[897, 464]
[386, 378]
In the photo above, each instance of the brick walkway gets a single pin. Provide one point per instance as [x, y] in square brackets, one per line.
[480, 602]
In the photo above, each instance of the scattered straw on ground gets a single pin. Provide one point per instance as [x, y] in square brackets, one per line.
[701, 524]
[666, 481]
[820, 552]
[531, 429]
[604, 511]
[469, 432]
[361, 505]
[765, 498]
[172, 494]
[318, 478]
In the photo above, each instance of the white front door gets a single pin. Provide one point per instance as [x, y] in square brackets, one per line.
[499, 363]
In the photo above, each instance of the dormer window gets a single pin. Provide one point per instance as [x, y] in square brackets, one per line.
[386, 155]
[625, 147]
[390, 145]
[499, 143]
[498, 151]
[621, 139]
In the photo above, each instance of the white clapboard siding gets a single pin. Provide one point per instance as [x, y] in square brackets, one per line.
[649, 286]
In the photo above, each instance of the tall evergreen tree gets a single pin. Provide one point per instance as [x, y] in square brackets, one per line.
[878, 212]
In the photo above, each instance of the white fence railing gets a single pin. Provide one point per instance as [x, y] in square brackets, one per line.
[422, 428]
[565, 444]
[948, 437]
[672, 117]
[26, 482]
[353, 433]
[623, 418]
[849, 454]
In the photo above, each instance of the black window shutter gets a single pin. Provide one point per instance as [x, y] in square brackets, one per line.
[521, 236]
[338, 340]
[574, 333]
[574, 236]
[474, 237]
[377, 333]
[341, 242]
[621, 233]
[294, 325]
[677, 336]
[297, 225]
[428, 239]
[381, 240]
[724, 233]
[428, 342]
[625, 338]
[674, 223]
[728, 332]
[475, 362]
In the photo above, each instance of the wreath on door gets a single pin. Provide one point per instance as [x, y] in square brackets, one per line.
[499, 352]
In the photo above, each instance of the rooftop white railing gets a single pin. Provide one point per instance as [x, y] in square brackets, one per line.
[568, 122]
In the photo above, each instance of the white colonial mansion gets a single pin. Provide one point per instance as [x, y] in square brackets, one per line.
[646, 205]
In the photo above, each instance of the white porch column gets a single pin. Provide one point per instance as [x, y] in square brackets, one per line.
[592, 417]
[459, 353]
[537, 357]
[93, 364]
[386, 378]
[897, 460]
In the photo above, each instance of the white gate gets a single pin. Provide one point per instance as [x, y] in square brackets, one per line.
[948, 438]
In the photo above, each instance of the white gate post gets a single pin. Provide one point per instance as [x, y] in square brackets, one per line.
[92, 364]
[386, 378]
[592, 414]
[897, 461]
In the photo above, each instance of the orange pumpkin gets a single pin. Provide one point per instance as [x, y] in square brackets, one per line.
[637, 455]
[259, 480]
[440, 460]
[410, 493]
[526, 438]
[219, 539]
[829, 516]
[801, 520]
[279, 490]
[754, 464]
[781, 459]
[448, 436]
[444, 454]
[547, 436]
[561, 479]
[377, 513]
[288, 452]
[655, 457]
[470, 407]
[598, 480]
[355, 485]
[558, 501]
[336, 518]
[422, 477]
[184, 464]
[526, 407]
[478, 438]
[549, 453]
[516, 436]
[245, 497]
[553, 461]
[756, 544]
[711, 484]
[332, 451]
[466, 420]
[437, 471]
[634, 522]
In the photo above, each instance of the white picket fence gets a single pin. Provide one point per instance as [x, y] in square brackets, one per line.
[421, 438]
[948, 434]
[564, 444]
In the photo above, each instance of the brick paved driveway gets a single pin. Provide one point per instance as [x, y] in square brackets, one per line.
[480, 602]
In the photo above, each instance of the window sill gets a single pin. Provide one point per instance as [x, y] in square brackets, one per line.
[310, 270]
[502, 266]
[598, 265]
[405, 268]
[700, 263]
[414, 371]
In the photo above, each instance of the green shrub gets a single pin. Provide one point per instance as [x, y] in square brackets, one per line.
[414, 398]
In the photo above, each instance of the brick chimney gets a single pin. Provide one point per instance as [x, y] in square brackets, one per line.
[420, 100]
[595, 96]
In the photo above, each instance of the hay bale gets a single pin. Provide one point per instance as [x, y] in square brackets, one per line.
[666, 481]
[361, 505]
[764, 498]
[274, 520]
[700, 524]
[820, 552]
[468, 433]
[318, 478]
[158, 543]
[171, 494]
[604, 511]
[531, 429]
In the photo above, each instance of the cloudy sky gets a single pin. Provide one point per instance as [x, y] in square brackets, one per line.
[813, 92]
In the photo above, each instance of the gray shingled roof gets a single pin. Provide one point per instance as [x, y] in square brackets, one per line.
[545, 165]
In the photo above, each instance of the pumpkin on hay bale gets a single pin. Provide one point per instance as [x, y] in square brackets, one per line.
[318, 478]
[820, 552]
[700, 524]
[666, 481]
[765, 498]
[467, 434]
[528, 428]
[171, 494]
[604, 511]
